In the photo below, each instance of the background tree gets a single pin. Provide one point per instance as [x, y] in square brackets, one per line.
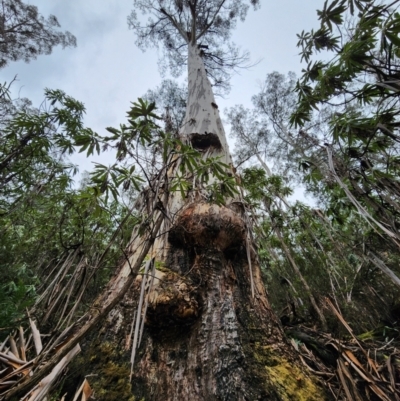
[264, 134]
[325, 139]
[171, 98]
[360, 83]
[25, 34]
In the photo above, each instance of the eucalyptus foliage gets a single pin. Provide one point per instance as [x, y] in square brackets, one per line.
[175, 24]
[25, 34]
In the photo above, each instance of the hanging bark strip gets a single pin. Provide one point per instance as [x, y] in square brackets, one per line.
[139, 315]
[17, 367]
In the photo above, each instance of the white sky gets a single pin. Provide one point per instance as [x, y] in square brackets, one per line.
[106, 71]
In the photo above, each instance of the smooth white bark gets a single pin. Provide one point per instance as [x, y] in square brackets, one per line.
[202, 114]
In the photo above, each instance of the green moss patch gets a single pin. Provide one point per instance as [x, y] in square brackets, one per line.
[287, 379]
[108, 371]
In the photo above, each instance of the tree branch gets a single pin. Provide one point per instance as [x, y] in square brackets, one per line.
[175, 24]
[208, 26]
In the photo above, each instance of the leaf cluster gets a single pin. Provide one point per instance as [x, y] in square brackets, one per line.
[44, 217]
[364, 66]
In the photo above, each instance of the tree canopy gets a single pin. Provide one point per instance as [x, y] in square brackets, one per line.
[174, 24]
[25, 34]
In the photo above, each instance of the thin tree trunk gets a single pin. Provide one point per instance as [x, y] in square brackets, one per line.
[302, 279]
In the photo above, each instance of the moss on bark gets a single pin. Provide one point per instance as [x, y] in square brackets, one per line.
[290, 383]
[108, 371]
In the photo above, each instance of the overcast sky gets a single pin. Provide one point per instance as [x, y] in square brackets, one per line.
[106, 71]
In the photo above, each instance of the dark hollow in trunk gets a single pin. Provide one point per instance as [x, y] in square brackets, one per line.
[206, 338]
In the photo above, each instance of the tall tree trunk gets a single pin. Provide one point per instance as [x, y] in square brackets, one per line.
[209, 331]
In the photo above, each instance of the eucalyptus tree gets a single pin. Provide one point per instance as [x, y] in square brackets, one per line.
[203, 328]
[25, 34]
[265, 135]
[184, 28]
[342, 128]
[326, 257]
[171, 99]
